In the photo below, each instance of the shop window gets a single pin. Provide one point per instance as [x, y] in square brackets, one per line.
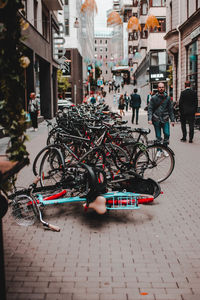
[192, 65]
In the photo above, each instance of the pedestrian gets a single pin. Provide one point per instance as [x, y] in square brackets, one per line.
[188, 107]
[126, 99]
[121, 105]
[33, 108]
[160, 110]
[149, 97]
[93, 99]
[135, 104]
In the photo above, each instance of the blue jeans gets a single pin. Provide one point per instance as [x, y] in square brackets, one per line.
[165, 127]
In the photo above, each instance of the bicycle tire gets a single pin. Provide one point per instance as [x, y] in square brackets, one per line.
[118, 158]
[51, 169]
[22, 210]
[149, 165]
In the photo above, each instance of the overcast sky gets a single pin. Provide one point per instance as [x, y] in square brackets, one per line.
[100, 19]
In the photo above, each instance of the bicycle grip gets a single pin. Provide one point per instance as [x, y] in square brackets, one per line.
[53, 227]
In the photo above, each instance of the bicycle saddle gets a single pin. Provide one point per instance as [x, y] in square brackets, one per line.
[142, 130]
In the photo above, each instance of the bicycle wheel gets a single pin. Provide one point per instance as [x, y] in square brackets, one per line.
[51, 168]
[116, 157]
[22, 210]
[157, 162]
[94, 157]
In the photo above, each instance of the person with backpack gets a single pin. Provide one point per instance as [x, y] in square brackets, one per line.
[135, 104]
[160, 110]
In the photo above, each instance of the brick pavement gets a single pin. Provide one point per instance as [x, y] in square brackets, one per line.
[150, 254]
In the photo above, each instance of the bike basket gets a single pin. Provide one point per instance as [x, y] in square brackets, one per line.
[121, 200]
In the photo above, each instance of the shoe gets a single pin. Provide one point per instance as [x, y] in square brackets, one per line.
[183, 140]
[158, 154]
[136, 123]
[165, 153]
[190, 141]
[35, 129]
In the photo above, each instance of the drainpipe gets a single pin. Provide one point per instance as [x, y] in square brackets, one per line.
[179, 53]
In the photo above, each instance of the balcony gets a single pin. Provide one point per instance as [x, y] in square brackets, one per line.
[54, 4]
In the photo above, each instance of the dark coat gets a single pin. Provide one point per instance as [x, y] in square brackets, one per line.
[188, 102]
[135, 101]
[160, 112]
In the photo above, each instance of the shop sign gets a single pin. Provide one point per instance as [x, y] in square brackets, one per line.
[195, 33]
[157, 75]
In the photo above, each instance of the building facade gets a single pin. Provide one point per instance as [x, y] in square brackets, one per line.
[183, 43]
[41, 74]
[103, 53]
[77, 30]
[147, 57]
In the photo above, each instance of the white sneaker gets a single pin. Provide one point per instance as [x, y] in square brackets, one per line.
[165, 153]
[158, 154]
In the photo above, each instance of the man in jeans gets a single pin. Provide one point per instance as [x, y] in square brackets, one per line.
[160, 110]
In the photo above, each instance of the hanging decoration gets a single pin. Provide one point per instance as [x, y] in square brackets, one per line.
[133, 24]
[151, 22]
[89, 6]
[137, 55]
[114, 19]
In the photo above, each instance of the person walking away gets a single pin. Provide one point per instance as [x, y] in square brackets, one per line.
[121, 105]
[126, 99]
[160, 110]
[93, 99]
[33, 109]
[188, 107]
[135, 104]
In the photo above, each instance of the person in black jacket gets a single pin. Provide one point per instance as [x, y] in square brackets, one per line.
[187, 107]
[135, 103]
[160, 110]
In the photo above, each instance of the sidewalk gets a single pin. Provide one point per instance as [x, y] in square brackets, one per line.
[152, 253]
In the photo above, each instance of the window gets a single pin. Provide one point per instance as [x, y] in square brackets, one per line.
[162, 28]
[66, 2]
[144, 7]
[95, 41]
[158, 58]
[106, 41]
[95, 49]
[158, 3]
[133, 36]
[143, 33]
[100, 56]
[101, 49]
[66, 26]
[106, 49]
[170, 6]
[100, 41]
[24, 9]
[192, 65]
[45, 25]
[106, 72]
[35, 12]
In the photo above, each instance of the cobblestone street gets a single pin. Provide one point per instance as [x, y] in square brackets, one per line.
[152, 253]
